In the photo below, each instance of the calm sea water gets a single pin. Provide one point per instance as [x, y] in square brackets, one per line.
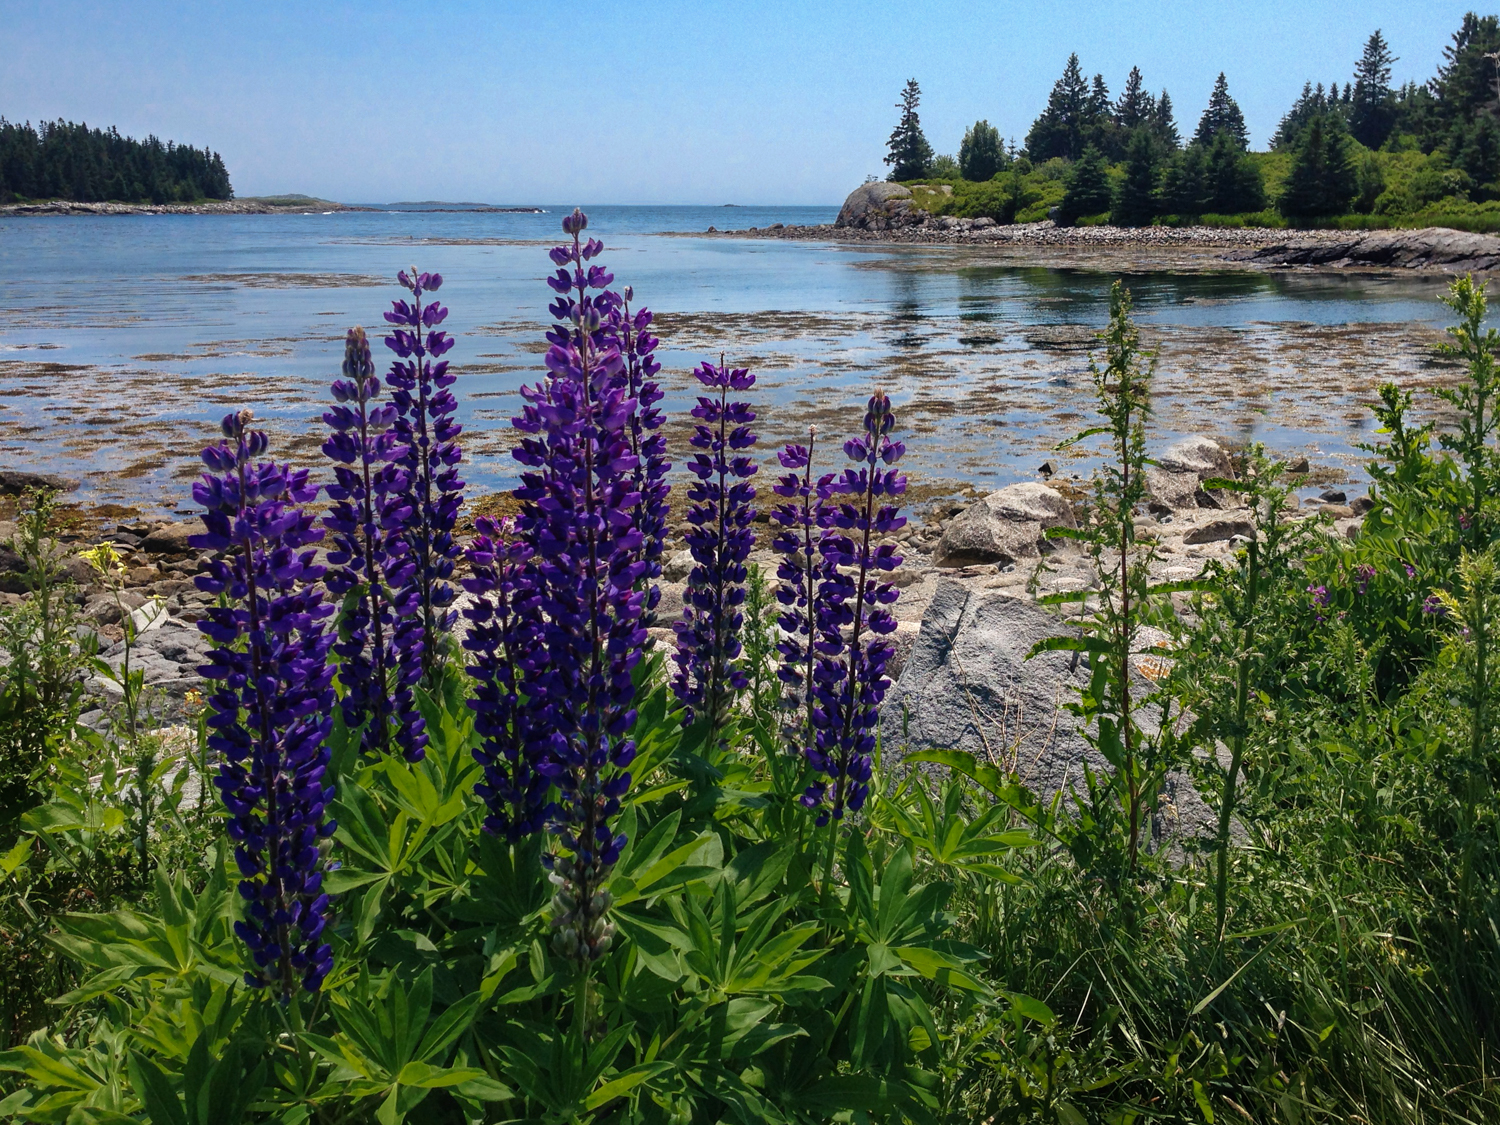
[122, 339]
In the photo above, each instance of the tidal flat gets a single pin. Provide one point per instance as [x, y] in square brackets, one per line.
[117, 359]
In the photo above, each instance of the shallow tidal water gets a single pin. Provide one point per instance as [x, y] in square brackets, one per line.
[124, 339]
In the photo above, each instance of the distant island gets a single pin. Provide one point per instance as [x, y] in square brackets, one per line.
[61, 160]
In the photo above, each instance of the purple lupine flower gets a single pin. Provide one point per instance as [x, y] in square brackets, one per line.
[1411, 571]
[709, 671]
[1434, 606]
[269, 711]
[1320, 600]
[1363, 575]
[632, 335]
[803, 521]
[425, 427]
[849, 681]
[578, 498]
[508, 658]
[370, 564]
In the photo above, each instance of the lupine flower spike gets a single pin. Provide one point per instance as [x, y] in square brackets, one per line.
[709, 670]
[803, 521]
[636, 343]
[270, 710]
[507, 659]
[425, 427]
[370, 563]
[849, 681]
[578, 498]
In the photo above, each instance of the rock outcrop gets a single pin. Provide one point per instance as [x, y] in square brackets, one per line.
[968, 685]
[1430, 248]
[1006, 527]
[877, 206]
[13, 482]
[1176, 480]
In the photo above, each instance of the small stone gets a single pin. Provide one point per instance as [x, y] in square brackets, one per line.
[676, 568]
[1332, 496]
[1361, 504]
[1219, 530]
[1338, 511]
[1300, 465]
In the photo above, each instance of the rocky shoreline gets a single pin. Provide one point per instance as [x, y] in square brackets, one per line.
[208, 207]
[881, 213]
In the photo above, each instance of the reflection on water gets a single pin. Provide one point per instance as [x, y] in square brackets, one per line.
[123, 339]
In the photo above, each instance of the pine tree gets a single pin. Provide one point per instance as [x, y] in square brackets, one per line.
[1164, 125]
[1059, 131]
[981, 155]
[1466, 81]
[909, 154]
[1087, 191]
[1322, 180]
[1135, 198]
[1135, 106]
[1222, 116]
[1372, 105]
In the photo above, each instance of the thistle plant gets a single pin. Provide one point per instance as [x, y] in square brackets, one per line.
[507, 660]
[852, 618]
[371, 564]
[803, 521]
[578, 498]
[709, 669]
[632, 335]
[270, 708]
[427, 433]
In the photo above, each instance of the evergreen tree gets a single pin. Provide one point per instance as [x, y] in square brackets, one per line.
[1322, 180]
[909, 154]
[981, 155]
[1087, 190]
[1135, 106]
[1312, 102]
[1164, 125]
[1477, 152]
[1233, 181]
[1135, 198]
[1059, 131]
[1099, 121]
[1466, 81]
[1184, 188]
[63, 160]
[1222, 116]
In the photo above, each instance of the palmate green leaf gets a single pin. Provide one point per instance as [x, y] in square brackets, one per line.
[428, 1077]
[156, 1091]
[945, 968]
[672, 870]
[624, 1082]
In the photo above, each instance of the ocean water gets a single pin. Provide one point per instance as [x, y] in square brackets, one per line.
[124, 339]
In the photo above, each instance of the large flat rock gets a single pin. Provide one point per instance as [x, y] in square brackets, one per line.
[1429, 248]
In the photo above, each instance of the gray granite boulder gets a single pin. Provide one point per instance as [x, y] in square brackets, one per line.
[876, 206]
[967, 685]
[1006, 527]
[1176, 480]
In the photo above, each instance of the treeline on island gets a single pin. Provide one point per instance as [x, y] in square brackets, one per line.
[64, 160]
[1356, 154]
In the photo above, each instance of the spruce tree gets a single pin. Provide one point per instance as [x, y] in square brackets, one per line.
[1222, 116]
[909, 154]
[1135, 106]
[1087, 190]
[1372, 103]
[1321, 182]
[1184, 188]
[981, 155]
[1059, 131]
[1164, 125]
[1233, 181]
[1135, 198]
[1465, 82]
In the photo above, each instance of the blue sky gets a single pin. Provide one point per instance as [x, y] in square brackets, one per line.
[655, 102]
